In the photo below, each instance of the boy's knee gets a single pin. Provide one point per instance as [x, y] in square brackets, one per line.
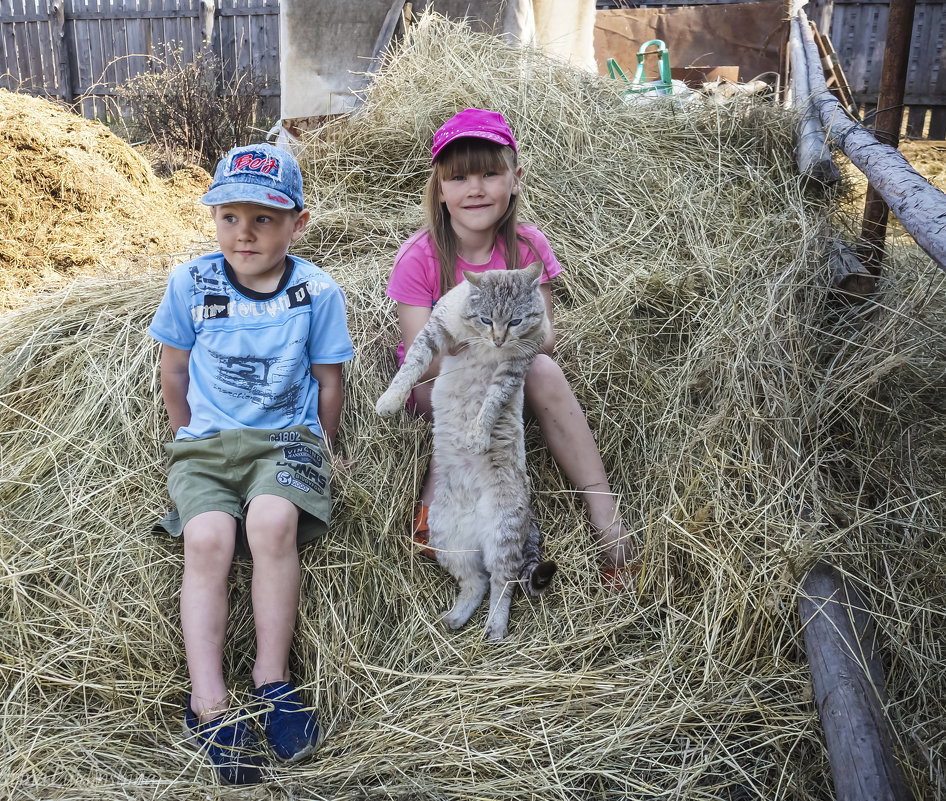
[210, 538]
[271, 527]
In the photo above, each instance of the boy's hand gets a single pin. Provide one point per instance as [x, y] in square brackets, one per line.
[340, 465]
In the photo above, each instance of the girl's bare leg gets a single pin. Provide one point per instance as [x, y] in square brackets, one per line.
[572, 445]
[550, 398]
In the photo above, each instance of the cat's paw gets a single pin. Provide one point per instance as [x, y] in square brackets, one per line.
[390, 403]
[495, 633]
[451, 620]
[477, 441]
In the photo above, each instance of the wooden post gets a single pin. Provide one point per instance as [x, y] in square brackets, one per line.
[57, 25]
[893, 79]
[849, 689]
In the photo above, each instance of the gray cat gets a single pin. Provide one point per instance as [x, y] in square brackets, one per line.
[488, 330]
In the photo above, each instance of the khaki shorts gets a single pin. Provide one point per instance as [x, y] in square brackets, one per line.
[225, 471]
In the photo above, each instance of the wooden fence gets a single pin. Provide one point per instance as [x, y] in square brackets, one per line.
[858, 30]
[80, 50]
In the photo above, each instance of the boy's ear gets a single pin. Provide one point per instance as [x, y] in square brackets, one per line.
[298, 227]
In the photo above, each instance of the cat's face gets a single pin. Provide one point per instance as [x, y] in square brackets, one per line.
[504, 306]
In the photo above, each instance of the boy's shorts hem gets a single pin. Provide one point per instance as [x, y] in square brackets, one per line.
[225, 471]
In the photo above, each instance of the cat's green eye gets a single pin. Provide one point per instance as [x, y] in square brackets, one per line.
[516, 321]
[486, 321]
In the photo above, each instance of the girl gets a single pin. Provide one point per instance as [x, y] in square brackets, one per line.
[470, 202]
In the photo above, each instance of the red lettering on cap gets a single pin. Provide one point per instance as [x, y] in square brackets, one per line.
[251, 162]
[277, 198]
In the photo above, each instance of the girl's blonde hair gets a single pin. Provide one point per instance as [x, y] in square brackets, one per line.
[465, 157]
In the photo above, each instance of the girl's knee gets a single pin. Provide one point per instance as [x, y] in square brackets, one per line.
[545, 380]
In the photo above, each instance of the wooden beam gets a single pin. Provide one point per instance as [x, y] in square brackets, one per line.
[849, 689]
[920, 207]
[386, 33]
[811, 150]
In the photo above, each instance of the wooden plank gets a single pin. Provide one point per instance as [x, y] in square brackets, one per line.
[189, 21]
[7, 46]
[916, 119]
[135, 43]
[81, 65]
[936, 64]
[110, 47]
[258, 41]
[269, 61]
[8, 78]
[923, 32]
[23, 12]
[97, 52]
[243, 44]
[937, 124]
[59, 46]
[226, 44]
[44, 54]
[165, 31]
[19, 68]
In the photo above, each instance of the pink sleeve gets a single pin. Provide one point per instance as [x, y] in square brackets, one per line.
[538, 246]
[415, 279]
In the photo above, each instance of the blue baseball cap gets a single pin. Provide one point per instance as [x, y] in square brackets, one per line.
[262, 174]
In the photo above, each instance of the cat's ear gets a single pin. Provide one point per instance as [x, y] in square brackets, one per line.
[473, 278]
[534, 271]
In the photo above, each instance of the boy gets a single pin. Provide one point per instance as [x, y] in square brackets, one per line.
[253, 342]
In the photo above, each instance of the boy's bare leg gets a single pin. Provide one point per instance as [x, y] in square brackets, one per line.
[571, 443]
[271, 524]
[209, 540]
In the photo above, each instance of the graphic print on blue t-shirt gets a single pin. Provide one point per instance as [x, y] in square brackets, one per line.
[250, 357]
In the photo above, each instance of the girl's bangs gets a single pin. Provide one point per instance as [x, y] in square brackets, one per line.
[471, 156]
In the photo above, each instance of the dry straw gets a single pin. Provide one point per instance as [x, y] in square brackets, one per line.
[749, 426]
[76, 200]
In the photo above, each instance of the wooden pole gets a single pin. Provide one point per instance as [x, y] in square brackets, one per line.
[811, 151]
[848, 682]
[919, 206]
[893, 80]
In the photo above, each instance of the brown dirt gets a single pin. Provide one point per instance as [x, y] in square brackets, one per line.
[75, 200]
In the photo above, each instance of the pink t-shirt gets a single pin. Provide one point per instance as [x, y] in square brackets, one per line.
[415, 279]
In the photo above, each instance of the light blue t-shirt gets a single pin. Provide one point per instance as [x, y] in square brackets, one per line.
[250, 356]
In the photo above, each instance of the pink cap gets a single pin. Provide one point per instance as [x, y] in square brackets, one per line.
[476, 123]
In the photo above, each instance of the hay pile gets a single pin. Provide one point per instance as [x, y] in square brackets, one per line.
[76, 200]
[727, 396]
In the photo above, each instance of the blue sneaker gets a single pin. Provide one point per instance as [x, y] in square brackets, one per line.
[290, 727]
[231, 746]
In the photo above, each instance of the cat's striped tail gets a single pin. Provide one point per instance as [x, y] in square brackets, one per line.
[535, 575]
